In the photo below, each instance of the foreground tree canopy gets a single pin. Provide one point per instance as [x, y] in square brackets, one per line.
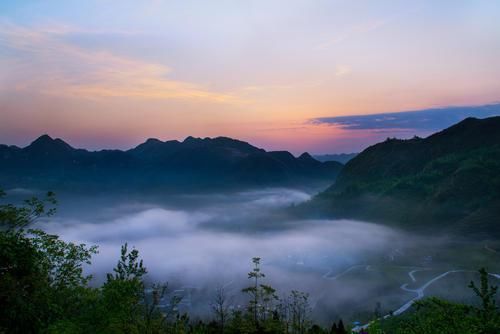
[43, 289]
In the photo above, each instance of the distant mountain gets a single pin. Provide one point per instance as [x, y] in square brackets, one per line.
[190, 165]
[343, 158]
[448, 180]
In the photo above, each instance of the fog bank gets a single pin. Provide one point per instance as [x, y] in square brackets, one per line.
[204, 241]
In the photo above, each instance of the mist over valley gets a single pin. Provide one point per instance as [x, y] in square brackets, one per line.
[200, 242]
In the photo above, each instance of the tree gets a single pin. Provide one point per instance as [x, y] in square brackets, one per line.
[262, 298]
[299, 311]
[153, 320]
[488, 313]
[434, 315]
[340, 328]
[315, 329]
[268, 297]
[15, 218]
[122, 293]
[254, 290]
[334, 329]
[41, 276]
[220, 308]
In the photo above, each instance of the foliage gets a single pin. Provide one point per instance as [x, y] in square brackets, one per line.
[295, 312]
[43, 289]
[488, 313]
[16, 218]
[40, 275]
[220, 308]
[434, 315]
[451, 177]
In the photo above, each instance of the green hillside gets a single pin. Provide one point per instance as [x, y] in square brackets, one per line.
[450, 179]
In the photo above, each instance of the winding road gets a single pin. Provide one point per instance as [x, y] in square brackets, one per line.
[420, 292]
[327, 275]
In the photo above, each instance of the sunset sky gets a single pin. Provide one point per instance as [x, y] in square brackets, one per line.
[109, 74]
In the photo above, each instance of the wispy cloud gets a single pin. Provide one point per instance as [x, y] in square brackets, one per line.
[354, 31]
[342, 70]
[426, 120]
[362, 28]
[40, 59]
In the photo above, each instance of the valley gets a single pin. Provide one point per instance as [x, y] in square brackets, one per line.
[197, 242]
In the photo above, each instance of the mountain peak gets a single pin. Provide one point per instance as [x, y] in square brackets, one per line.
[153, 141]
[47, 143]
[306, 156]
[45, 138]
[191, 139]
[150, 142]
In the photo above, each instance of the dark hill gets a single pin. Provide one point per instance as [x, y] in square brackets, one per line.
[342, 157]
[191, 165]
[450, 179]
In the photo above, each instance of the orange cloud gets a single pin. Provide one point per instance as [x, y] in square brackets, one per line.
[50, 65]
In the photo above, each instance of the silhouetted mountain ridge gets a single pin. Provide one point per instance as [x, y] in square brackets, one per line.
[343, 158]
[204, 163]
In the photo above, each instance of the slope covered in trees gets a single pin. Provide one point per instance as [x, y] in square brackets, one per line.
[449, 179]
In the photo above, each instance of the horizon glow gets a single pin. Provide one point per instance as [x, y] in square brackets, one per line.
[112, 74]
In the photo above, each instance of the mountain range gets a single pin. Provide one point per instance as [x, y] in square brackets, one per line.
[190, 165]
[449, 179]
[343, 158]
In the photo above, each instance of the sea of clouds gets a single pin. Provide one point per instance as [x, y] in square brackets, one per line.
[205, 241]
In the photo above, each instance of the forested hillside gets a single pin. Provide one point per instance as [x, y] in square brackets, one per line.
[450, 179]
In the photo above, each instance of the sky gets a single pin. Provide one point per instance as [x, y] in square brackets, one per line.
[110, 74]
